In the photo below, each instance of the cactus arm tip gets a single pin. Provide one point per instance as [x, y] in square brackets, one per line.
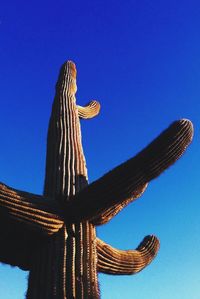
[91, 110]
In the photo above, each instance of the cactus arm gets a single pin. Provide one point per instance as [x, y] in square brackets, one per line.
[26, 220]
[89, 111]
[121, 183]
[18, 243]
[35, 212]
[114, 210]
[124, 262]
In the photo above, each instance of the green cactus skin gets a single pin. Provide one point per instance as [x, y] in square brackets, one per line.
[54, 235]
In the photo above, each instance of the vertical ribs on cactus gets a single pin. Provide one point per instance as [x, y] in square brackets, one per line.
[54, 235]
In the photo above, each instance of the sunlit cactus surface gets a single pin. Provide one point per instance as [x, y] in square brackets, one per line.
[54, 235]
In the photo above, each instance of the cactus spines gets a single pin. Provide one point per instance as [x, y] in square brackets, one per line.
[54, 235]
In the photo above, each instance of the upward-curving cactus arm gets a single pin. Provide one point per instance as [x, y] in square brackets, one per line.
[125, 180]
[34, 211]
[89, 111]
[123, 262]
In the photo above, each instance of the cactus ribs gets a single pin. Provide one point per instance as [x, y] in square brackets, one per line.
[54, 235]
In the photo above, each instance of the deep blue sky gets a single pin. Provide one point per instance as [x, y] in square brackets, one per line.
[141, 60]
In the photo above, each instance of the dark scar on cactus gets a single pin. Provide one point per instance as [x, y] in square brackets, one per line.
[54, 235]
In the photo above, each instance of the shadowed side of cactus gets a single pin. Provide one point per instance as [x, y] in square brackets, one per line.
[128, 181]
[54, 235]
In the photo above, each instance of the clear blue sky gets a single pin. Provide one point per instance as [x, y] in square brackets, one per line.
[141, 60]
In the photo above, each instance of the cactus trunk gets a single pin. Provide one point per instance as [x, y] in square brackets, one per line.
[67, 266]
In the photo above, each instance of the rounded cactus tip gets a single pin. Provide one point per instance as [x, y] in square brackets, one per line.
[150, 244]
[71, 67]
[71, 64]
[184, 122]
[150, 239]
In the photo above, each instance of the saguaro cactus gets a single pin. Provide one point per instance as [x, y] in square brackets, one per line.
[53, 235]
